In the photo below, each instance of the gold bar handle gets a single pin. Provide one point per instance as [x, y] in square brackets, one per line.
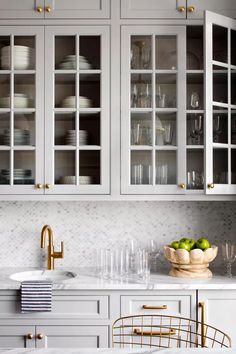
[155, 307]
[139, 332]
[203, 320]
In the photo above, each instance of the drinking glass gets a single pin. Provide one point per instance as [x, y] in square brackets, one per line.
[136, 134]
[162, 174]
[161, 100]
[196, 129]
[144, 96]
[143, 264]
[147, 174]
[146, 56]
[134, 56]
[137, 174]
[167, 133]
[153, 253]
[216, 128]
[134, 95]
[229, 256]
[191, 180]
[194, 100]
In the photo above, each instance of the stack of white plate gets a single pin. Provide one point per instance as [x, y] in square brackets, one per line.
[70, 102]
[23, 57]
[19, 173]
[71, 137]
[69, 63]
[21, 137]
[20, 101]
[72, 180]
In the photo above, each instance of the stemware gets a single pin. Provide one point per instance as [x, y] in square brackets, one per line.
[194, 100]
[167, 133]
[229, 256]
[196, 129]
[134, 95]
[216, 128]
[144, 54]
[144, 97]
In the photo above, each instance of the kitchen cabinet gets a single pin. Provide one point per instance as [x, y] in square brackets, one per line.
[17, 336]
[220, 310]
[43, 9]
[65, 150]
[175, 9]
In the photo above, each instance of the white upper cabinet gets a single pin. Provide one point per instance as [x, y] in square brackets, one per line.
[21, 110]
[40, 9]
[153, 96]
[220, 100]
[153, 9]
[77, 106]
[175, 9]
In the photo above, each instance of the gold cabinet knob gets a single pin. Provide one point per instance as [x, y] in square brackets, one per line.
[211, 185]
[182, 185]
[39, 186]
[181, 9]
[39, 9]
[191, 9]
[40, 336]
[47, 186]
[48, 9]
[30, 336]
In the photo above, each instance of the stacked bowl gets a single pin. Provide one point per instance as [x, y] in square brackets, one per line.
[23, 57]
[21, 137]
[21, 100]
[71, 137]
[69, 63]
[72, 180]
[70, 102]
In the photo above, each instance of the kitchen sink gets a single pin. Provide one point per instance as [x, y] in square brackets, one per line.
[53, 275]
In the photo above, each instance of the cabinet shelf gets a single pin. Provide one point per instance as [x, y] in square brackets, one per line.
[195, 147]
[80, 147]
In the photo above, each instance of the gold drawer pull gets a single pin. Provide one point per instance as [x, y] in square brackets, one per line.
[181, 9]
[48, 9]
[191, 9]
[40, 336]
[211, 185]
[139, 332]
[155, 307]
[30, 336]
[39, 9]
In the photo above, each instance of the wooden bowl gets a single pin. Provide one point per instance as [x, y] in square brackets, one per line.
[193, 264]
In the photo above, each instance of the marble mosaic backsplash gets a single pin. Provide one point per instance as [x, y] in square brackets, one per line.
[85, 226]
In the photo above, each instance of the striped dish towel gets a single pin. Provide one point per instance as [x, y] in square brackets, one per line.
[36, 296]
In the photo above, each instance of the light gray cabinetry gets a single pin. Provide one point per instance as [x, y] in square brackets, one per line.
[40, 9]
[17, 336]
[220, 310]
[196, 8]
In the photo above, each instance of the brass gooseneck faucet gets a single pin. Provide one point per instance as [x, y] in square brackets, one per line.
[47, 230]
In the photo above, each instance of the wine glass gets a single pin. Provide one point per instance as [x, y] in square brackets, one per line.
[145, 96]
[216, 128]
[229, 256]
[195, 100]
[196, 129]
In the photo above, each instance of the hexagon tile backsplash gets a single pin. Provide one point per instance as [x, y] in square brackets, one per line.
[85, 226]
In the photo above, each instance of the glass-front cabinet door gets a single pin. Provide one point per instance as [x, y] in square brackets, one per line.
[21, 110]
[153, 110]
[77, 110]
[220, 139]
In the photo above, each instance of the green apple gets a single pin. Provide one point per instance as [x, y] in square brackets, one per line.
[203, 243]
[185, 246]
[192, 243]
[175, 245]
[184, 239]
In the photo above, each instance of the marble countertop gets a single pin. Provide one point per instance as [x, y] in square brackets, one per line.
[85, 280]
[119, 351]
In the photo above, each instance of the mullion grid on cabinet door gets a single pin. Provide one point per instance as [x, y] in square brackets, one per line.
[229, 105]
[12, 112]
[77, 113]
[153, 110]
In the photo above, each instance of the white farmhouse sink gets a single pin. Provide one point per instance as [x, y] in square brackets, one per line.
[53, 275]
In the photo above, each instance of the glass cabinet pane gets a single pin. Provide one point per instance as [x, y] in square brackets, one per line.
[89, 167]
[220, 166]
[141, 167]
[166, 167]
[24, 91]
[24, 167]
[141, 129]
[5, 99]
[141, 52]
[4, 129]
[65, 167]
[65, 91]
[165, 129]
[141, 91]
[233, 166]
[166, 91]
[166, 52]
[220, 44]
[4, 167]
[195, 169]
[195, 129]
[233, 128]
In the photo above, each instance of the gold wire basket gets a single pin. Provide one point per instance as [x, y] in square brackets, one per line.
[163, 331]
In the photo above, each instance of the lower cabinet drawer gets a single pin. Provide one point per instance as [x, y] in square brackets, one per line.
[72, 336]
[17, 337]
[158, 304]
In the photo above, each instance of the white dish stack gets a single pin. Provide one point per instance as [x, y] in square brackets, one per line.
[72, 180]
[21, 100]
[69, 63]
[70, 102]
[23, 57]
[71, 137]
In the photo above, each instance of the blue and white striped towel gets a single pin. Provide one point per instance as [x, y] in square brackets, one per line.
[36, 296]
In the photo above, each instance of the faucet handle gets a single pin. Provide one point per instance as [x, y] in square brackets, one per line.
[59, 254]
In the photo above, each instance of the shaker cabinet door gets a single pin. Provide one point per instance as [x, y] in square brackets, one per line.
[196, 8]
[16, 9]
[220, 100]
[21, 110]
[72, 336]
[77, 9]
[17, 337]
[153, 110]
[173, 9]
[77, 110]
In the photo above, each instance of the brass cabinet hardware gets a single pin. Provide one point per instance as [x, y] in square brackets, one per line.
[40, 336]
[47, 186]
[39, 186]
[139, 332]
[47, 230]
[48, 9]
[39, 9]
[30, 336]
[211, 185]
[181, 9]
[203, 321]
[155, 307]
[191, 9]
[182, 185]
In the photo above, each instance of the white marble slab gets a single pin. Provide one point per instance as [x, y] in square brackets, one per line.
[86, 281]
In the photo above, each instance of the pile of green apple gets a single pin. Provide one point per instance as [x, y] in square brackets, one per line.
[189, 244]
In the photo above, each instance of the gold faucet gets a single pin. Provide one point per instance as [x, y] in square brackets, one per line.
[51, 254]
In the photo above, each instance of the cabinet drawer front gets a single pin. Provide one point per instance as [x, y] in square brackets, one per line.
[78, 9]
[86, 307]
[73, 337]
[159, 304]
[16, 337]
